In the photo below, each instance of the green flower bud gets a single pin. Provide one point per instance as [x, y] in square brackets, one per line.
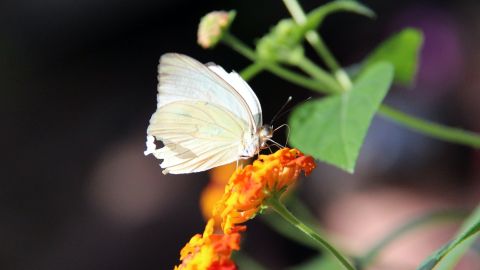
[282, 43]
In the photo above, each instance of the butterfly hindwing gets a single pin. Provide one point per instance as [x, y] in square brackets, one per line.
[197, 135]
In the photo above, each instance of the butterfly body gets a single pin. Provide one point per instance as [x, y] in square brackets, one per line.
[205, 117]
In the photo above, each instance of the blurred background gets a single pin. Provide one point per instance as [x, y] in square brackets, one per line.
[78, 86]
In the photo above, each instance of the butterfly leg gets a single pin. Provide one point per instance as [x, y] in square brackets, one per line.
[276, 144]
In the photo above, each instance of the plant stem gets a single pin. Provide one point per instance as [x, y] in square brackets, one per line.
[432, 217]
[239, 46]
[280, 226]
[434, 130]
[297, 79]
[318, 44]
[274, 68]
[251, 71]
[276, 205]
[319, 74]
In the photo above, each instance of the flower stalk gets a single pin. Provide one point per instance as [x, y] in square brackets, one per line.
[275, 203]
[318, 44]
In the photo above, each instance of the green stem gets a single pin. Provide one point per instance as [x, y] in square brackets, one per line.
[318, 44]
[274, 68]
[251, 71]
[319, 74]
[297, 79]
[279, 225]
[432, 217]
[296, 11]
[239, 46]
[276, 205]
[434, 130]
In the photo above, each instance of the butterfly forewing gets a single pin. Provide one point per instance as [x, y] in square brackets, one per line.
[184, 78]
[243, 89]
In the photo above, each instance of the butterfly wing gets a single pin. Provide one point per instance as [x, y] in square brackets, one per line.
[181, 77]
[243, 89]
[196, 135]
[202, 118]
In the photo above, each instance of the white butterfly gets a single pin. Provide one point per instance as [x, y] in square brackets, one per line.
[205, 117]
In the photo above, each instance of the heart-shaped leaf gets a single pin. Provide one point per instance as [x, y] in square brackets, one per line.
[333, 129]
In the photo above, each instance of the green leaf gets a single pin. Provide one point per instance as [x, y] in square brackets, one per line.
[447, 256]
[333, 129]
[402, 50]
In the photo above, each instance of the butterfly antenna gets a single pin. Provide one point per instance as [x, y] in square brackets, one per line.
[287, 111]
[280, 110]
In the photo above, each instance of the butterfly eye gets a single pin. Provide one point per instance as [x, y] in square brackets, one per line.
[266, 131]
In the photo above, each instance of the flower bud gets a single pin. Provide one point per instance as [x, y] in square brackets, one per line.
[282, 43]
[212, 26]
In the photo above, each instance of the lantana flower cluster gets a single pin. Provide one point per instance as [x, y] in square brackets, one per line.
[209, 251]
[244, 196]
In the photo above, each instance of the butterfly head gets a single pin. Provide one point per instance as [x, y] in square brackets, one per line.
[265, 133]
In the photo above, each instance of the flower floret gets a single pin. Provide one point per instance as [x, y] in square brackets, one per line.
[210, 251]
[249, 187]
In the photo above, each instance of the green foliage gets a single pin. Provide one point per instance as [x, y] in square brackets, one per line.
[402, 50]
[243, 261]
[283, 42]
[447, 256]
[333, 129]
[319, 262]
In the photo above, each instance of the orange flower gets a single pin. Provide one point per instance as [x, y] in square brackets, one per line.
[209, 251]
[249, 187]
[244, 196]
[213, 192]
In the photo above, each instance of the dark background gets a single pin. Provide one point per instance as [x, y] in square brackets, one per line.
[78, 86]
